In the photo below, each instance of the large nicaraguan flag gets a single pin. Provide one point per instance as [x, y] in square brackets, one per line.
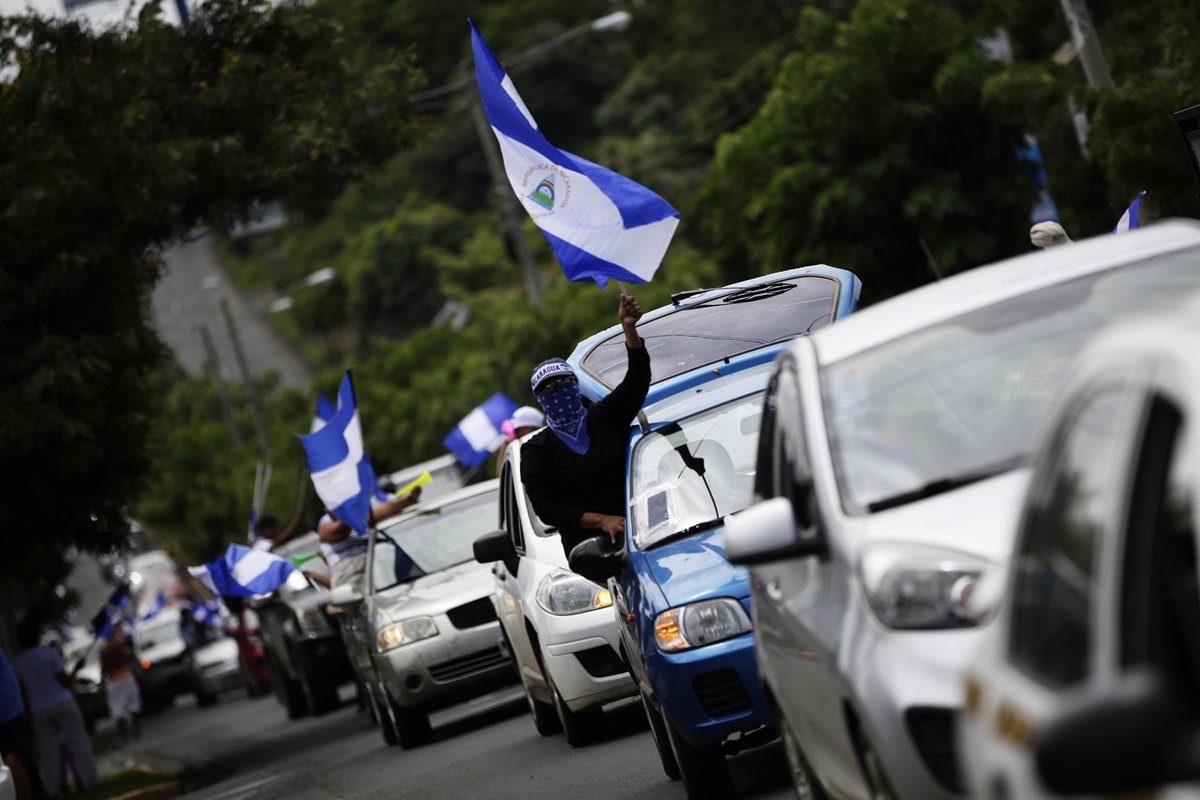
[338, 462]
[243, 572]
[1129, 220]
[479, 433]
[601, 225]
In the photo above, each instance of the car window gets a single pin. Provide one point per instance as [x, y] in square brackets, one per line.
[695, 471]
[737, 322]
[510, 512]
[964, 398]
[765, 485]
[1160, 598]
[431, 540]
[1073, 502]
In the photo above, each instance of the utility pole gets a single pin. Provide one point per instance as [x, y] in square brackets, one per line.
[1087, 43]
[211, 365]
[260, 428]
[513, 214]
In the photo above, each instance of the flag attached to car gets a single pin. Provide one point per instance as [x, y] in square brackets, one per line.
[1129, 220]
[478, 434]
[243, 572]
[600, 225]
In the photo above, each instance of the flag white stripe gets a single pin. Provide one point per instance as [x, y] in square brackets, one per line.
[253, 565]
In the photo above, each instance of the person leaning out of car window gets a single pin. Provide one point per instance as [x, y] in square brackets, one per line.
[574, 470]
[347, 550]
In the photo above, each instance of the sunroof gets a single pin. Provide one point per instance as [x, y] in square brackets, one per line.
[733, 323]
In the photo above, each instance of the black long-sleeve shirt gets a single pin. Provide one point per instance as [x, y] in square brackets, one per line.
[562, 485]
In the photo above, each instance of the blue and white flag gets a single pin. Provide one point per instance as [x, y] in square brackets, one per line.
[160, 602]
[338, 462]
[478, 434]
[325, 411]
[601, 225]
[207, 613]
[1129, 220]
[243, 572]
[111, 612]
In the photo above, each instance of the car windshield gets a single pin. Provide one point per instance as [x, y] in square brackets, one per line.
[737, 322]
[431, 540]
[688, 475]
[149, 634]
[963, 399]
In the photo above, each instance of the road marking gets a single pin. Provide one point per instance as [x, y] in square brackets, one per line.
[244, 788]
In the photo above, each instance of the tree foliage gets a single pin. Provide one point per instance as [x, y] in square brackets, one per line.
[114, 143]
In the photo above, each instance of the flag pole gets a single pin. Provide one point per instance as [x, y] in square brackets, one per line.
[302, 490]
[622, 285]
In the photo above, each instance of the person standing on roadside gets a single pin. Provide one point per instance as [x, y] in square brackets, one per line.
[53, 711]
[347, 551]
[120, 687]
[16, 737]
[574, 470]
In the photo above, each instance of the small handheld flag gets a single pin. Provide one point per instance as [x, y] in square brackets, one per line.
[599, 224]
[243, 572]
[1129, 220]
[110, 612]
[478, 434]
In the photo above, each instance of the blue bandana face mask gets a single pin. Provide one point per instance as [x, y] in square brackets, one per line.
[566, 415]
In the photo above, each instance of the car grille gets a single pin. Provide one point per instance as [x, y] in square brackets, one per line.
[466, 666]
[473, 614]
[721, 693]
[932, 731]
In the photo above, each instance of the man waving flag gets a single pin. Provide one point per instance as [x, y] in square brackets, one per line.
[601, 225]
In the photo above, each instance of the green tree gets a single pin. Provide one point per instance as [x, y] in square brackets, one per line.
[114, 143]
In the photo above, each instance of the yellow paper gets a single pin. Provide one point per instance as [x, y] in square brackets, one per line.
[421, 481]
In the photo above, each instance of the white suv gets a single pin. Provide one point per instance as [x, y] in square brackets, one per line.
[559, 626]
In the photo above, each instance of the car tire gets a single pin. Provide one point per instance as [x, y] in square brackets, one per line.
[292, 696]
[320, 696]
[878, 784]
[412, 726]
[580, 727]
[804, 782]
[206, 699]
[545, 719]
[704, 771]
[384, 715]
[658, 732]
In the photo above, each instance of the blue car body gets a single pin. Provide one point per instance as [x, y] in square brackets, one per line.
[712, 692]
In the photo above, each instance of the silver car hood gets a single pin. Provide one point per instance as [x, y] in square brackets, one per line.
[979, 519]
[433, 594]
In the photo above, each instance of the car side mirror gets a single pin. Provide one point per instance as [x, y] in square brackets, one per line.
[1140, 734]
[344, 596]
[767, 532]
[596, 558]
[494, 546]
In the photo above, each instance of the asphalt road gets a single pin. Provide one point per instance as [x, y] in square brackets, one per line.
[246, 749]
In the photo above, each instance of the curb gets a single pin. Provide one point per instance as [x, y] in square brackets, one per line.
[159, 791]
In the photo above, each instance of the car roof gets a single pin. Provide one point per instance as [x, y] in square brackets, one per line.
[491, 485]
[594, 388]
[987, 285]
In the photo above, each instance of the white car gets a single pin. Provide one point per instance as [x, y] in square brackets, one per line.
[891, 471]
[1089, 678]
[559, 626]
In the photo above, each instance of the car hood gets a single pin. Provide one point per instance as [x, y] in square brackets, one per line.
[162, 651]
[979, 519]
[432, 594]
[222, 651]
[695, 568]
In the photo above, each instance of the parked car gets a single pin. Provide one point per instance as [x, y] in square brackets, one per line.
[1088, 680]
[426, 620]
[557, 625]
[163, 656]
[214, 664]
[305, 653]
[890, 475]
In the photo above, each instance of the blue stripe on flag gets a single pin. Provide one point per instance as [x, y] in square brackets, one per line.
[578, 264]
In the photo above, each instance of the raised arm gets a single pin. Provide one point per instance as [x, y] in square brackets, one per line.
[626, 400]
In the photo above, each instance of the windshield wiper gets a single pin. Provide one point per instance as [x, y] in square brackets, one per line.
[708, 524]
[946, 484]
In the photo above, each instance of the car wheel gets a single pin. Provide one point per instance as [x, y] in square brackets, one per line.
[206, 699]
[412, 726]
[658, 731]
[580, 727]
[292, 695]
[878, 784]
[381, 709]
[321, 697]
[806, 784]
[704, 770]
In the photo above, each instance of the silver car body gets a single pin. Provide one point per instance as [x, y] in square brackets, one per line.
[849, 688]
[557, 640]
[1009, 703]
[457, 662]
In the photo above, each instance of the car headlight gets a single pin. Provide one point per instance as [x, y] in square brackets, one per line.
[700, 623]
[405, 632]
[313, 621]
[917, 587]
[562, 593]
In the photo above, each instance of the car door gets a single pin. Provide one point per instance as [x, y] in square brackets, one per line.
[1049, 637]
[803, 600]
[508, 580]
